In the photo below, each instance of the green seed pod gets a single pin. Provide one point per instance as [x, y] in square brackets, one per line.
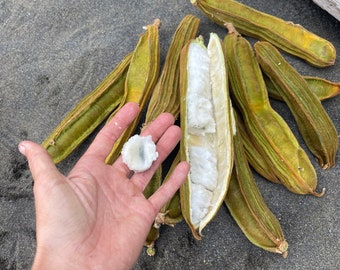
[165, 96]
[248, 208]
[270, 132]
[290, 37]
[254, 157]
[322, 88]
[140, 81]
[87, 114]
[315, 125]
[171, 212]
[153, 234]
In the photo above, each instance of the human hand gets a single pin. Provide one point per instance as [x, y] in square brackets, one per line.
[97, 217]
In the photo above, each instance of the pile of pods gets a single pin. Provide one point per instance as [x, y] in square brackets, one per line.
[221, 94]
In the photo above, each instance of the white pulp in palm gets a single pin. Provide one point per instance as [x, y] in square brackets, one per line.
[139, 152]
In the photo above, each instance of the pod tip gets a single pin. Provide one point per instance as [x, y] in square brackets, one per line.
[319, 194]
[283, 248]
[157, 22]
[197, 235]
[151, 251]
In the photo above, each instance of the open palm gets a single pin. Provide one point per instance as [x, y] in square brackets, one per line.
[97, 217]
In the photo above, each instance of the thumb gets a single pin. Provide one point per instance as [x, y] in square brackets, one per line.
[39, 161]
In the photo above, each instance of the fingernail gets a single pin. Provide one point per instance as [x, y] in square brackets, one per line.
[21, 148]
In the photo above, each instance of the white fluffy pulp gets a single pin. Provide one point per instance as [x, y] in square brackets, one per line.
[200, 112]
[201, 125]
[203, 164]
[203, 176]
[139, 152]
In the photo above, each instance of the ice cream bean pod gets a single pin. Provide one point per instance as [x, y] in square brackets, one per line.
[140, 81]
[165, 96]
[88, 113]
[153, 234]
[271, 134]
[207, 128]
[322, 88]
[254, 157]
[171, 212]
[291, 38]
[248, 208]
[315, 125]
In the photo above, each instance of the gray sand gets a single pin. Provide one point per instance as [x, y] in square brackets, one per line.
[55, 52]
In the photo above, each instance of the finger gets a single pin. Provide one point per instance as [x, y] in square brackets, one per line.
[169, 188]
[164, 147]
[156, 129]
[103, 143]
[40, 163]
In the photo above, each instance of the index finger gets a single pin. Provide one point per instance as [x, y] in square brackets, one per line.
[103, 143]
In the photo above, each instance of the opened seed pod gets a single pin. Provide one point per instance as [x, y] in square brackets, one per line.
[206, 123]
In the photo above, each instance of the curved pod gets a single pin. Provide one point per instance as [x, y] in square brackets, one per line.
[140, 81]
[315, 125]
[88, 113]
[291, 38]
[248, 208]
[322, 88]
[271, 134]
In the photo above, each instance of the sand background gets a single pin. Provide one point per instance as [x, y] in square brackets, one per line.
[53, 53]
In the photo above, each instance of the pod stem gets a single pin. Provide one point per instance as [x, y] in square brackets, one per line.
[231, 28]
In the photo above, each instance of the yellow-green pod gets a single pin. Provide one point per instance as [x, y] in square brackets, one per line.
[290, 37]
[206, 122]
[140, 81]
[315, 125]
[254, 157]
[153, 234]
[269, 131]
[165, 96]
[82, 120]
[248, 208]
[171, 212]
[322, 88]
[150, 241]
